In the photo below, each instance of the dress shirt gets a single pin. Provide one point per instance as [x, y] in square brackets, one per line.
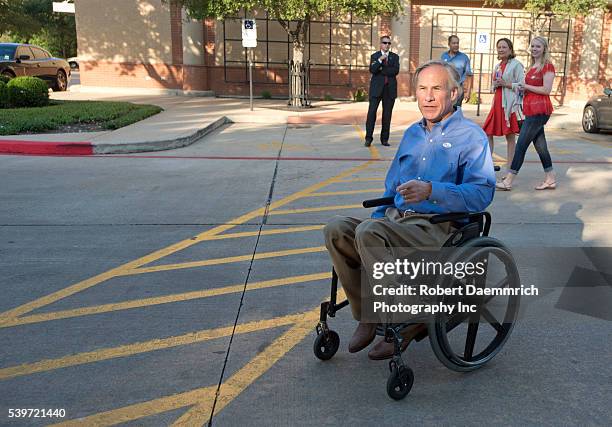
[454, 156]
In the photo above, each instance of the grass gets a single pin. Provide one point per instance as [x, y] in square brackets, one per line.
[107, 115]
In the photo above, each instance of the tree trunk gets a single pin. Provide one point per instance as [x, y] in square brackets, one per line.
[298, 68]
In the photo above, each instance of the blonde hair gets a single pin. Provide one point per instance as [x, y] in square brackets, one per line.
[545, 55]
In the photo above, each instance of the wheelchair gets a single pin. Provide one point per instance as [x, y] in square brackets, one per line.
[452, 337]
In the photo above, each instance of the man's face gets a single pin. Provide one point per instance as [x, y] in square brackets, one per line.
[454, 45]
[385, 44]
[434, 98]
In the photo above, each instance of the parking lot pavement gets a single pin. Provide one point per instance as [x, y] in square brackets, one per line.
[183, 288]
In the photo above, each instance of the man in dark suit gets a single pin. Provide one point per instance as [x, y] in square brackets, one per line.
[384, 66]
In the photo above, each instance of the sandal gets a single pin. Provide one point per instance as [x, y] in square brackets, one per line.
[547, 186]
[501, 185]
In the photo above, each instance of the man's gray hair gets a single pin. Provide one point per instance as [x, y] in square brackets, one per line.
[453, 75]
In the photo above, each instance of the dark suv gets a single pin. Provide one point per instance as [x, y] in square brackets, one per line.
[28, 60]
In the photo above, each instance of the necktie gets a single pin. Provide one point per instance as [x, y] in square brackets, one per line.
[386, 78]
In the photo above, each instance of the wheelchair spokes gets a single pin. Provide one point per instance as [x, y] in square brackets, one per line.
[465, 342]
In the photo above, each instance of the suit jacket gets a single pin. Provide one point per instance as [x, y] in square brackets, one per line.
[379, 71]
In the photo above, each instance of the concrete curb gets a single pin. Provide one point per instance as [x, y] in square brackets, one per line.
[50, 148]
[161, 145]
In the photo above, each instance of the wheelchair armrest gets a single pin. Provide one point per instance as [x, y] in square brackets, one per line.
[383, 201]
[482, 218]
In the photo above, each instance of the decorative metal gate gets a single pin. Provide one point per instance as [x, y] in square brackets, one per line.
[333, 50]
[517, 25]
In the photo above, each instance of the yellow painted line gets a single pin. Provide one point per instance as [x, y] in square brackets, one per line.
[342, 193]
[319, 209]
[145, 409]
[202, 398]
[145, 347]
[258, 366]
[147, 302]
[10, 315]
[374, 154]
[228, 260]
[360, 180]
[266, 232]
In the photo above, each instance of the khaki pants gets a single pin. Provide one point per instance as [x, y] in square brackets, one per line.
[355, 243]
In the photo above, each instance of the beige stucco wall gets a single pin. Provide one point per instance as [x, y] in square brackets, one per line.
[591, 46]
[400, 30]
[123, 31]
[193, 41]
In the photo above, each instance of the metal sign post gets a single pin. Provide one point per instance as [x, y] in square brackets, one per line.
[483, 40]
[249, 41]
[251, 77]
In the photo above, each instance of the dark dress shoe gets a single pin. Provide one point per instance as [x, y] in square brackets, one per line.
[362, 337]
[384, 350]
[385, 143]
[368, 142]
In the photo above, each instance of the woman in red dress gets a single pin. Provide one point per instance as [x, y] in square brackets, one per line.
[505, 111]
[537, 109]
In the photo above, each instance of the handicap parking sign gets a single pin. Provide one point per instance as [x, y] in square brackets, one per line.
[249, 33]
[483, 40]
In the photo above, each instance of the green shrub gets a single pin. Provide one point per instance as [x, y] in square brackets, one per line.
[266, 94]
[473, 98]
[3, 95]
[4, 79]
[360, 95]
[328, 97]
[27, 92]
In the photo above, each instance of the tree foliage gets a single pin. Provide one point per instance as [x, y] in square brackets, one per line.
[563, 8]
[14, 18]
[293, 15]
[33, 21]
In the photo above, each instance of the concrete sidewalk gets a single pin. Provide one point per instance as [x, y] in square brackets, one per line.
[186, 119]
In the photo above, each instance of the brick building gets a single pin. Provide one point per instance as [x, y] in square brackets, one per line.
[153, 46]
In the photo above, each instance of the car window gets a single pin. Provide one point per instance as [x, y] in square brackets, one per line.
[7, 53]
[38, 53]
[24, 50]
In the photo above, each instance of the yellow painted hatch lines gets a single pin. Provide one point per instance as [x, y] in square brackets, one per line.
[166, 299]
[245, 376]
[204, 402]
[347, 192]
[227, 260]
[146, 346]
[287, 230]
[10, 315]
[315, 209]
[363, 179]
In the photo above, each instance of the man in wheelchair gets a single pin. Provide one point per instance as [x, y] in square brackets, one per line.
[443, 165]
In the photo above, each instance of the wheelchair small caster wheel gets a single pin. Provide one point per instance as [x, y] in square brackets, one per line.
[399, 382]
[326, 345]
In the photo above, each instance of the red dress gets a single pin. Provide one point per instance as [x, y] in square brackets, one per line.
[495, 124]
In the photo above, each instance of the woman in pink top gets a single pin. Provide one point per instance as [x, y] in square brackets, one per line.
[537, 109]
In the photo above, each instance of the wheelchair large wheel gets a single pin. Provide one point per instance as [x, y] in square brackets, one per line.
[466, 341]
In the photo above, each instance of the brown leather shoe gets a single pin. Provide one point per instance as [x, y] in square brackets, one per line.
[362, 337]
[384, 350]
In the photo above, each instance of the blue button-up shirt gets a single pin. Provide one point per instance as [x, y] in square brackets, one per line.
[461, 62]
[454, 157]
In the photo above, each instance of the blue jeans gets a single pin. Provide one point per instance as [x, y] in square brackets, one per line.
[532, 130]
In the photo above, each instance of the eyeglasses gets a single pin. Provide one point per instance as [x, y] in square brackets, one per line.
[385, 42]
